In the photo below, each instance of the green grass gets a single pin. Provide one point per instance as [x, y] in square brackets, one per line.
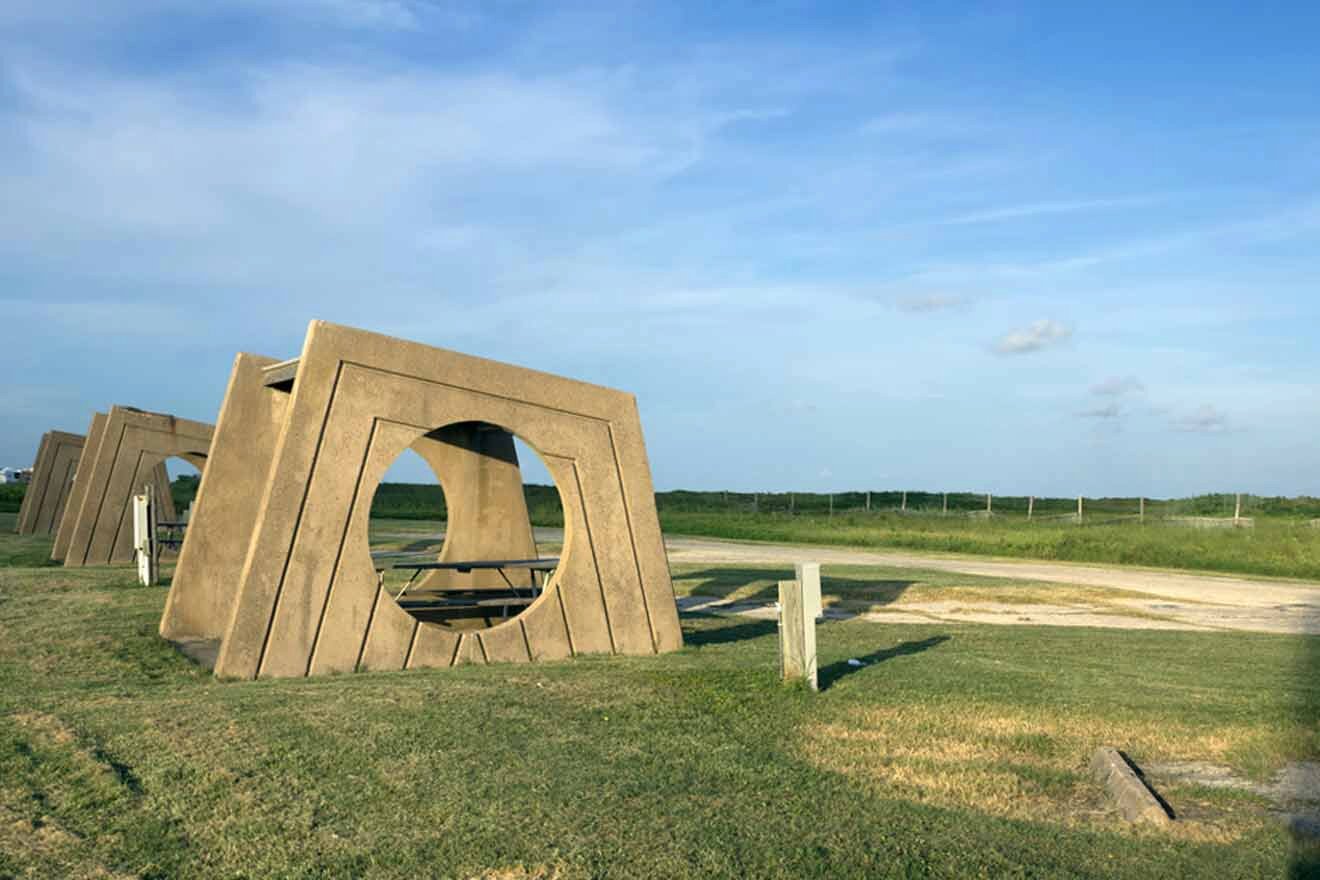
[1280, 548]
[11, 497]
[959, 751]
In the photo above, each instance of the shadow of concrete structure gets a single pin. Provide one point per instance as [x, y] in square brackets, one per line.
[721, 581]
[1305, 826]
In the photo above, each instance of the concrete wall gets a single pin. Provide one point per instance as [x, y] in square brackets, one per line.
[78, 491]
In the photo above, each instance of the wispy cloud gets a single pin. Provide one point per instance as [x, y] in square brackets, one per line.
[1117, 386]
[1108, 411]
[1036, 336]
[925, 304]
[927, 124]
[1043, 209]
[1205, 419]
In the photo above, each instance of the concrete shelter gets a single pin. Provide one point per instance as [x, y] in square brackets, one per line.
[126, 451]
[276, 577]
[52, 481]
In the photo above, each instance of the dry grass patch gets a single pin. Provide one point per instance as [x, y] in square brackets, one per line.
[1021, 764]
[541, 872]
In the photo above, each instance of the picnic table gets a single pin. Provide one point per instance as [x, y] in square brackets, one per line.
[444, 603]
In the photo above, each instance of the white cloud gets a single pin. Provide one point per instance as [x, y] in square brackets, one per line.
[1108, 411]
[926, 124]
[1117, 386]
[1205, 419]
[1041, 209]
[1036, 336]
[932, 302]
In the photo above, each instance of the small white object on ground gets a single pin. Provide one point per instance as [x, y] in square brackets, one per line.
[853, 661]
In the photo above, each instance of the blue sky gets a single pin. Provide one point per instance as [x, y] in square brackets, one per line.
[1008, 247]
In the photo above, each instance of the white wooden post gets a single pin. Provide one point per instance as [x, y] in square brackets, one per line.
[808, 575]
[1141, 515]
[1079, 508]
[797, 635]
[1237, 510]
[904, 501]
[1031, 506]
[989, 502]
[144, 537]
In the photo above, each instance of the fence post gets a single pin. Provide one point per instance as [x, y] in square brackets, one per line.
[797, 635]
[1237, 509]
[1031, 506]
[868, 502]
[1079, 508]
[989, 503]
[1141, 516]
[904, 508]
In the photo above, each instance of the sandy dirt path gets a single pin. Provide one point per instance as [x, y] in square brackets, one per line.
[1176, 600]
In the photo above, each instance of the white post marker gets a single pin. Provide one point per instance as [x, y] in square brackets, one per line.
[797, 636]
[144, 538]
[808, 575]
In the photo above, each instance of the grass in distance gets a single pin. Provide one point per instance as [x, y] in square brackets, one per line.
[1281, 548]
[957, 751]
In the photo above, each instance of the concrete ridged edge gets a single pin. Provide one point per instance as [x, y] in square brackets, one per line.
[1130, 793]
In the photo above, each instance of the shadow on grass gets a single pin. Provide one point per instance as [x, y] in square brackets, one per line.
[1305, 826]
[723, 582]
[828, 675]
[736, 632]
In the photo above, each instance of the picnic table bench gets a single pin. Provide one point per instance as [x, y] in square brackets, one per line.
[444, 603]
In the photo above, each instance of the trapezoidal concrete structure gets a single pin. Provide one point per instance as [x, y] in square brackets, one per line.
[276, 579]
[52, 481]
[78, 491]
[126, 451]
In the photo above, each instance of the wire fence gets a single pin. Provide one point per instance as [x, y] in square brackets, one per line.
[1214, 510]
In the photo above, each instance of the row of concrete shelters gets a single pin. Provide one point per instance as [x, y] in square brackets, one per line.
[276, 577]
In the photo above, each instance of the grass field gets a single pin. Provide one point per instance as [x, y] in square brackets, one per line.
[1274, 547]
[957, 751]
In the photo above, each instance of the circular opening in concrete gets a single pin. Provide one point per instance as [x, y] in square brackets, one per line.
[454, 527]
